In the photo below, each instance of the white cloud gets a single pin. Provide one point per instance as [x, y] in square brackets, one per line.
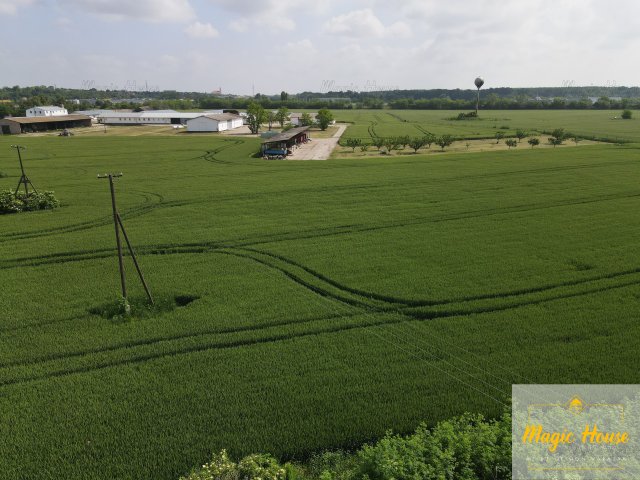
[10, 7]
[201, 30]
[155, 11]
[270, 15]
[364, 23]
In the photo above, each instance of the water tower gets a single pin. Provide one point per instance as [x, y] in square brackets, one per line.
[479, 82]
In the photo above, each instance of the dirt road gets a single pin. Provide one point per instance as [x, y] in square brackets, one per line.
[318, 148]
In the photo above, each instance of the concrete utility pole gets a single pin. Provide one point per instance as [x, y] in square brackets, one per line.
[117, 222]
[24, 180]
[479, 82]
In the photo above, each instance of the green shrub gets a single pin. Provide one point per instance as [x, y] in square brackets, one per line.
[627, 114]
[466, 116]
[252, 467]
[12, 202]
[467, 447]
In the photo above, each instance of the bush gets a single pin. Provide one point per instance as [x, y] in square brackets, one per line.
[444, 141]
[252, 467]
[627, 114]
[12, 202]
[467, 447]
[511, 143]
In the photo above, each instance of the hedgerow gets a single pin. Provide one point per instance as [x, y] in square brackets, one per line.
[467, 447]
[15, 202]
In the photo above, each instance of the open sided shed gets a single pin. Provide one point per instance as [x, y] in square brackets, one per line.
[16, 125]
[281, 143]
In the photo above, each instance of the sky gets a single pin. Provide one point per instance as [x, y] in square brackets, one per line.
[266, 46]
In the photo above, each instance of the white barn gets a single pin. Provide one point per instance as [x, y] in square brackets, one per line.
[214, 122]
[157, 117]
[47, 111]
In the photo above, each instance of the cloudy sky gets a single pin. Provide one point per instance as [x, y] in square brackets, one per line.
[295, 45]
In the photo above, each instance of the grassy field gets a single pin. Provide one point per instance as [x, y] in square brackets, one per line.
[597, 124]
[332, 300]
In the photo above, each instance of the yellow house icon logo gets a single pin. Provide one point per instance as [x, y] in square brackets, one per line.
[576, 405]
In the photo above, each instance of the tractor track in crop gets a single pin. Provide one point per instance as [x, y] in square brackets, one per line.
[210, 155]
[348, 229]
[379, 319]
[148, 207]
[376, 308]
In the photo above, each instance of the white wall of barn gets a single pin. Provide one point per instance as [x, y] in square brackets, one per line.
[205, 124]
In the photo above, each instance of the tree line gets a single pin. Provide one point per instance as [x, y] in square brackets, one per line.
[14, 101]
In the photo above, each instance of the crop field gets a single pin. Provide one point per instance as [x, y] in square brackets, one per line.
[307, 305]
[597, 124]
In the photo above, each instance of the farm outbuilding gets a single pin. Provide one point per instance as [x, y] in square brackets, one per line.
[146, 118]
[281, 144]
[17, 125]
[47, 111]
[214, 122]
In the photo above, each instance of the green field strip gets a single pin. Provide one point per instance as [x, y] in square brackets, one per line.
[310, 281]
[46, 323]
[127, 213]
[486, 303]
[540, 297]
[157, 340]
[198, 247]
[413, 313]
[94, 361]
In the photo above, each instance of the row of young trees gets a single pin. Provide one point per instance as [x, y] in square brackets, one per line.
[557, 137]
[401, 142]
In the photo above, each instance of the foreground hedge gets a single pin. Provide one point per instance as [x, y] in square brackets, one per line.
[12, 202]
[464, 448]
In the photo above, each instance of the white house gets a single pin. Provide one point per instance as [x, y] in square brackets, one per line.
[47, 111]
[296, 119]
[214, 122]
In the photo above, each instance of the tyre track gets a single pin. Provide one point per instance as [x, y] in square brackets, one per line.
[200, 247]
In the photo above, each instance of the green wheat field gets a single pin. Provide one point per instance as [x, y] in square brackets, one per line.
[307, 305]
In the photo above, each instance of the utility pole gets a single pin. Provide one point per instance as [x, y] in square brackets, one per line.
[24, 180]
[117, 223]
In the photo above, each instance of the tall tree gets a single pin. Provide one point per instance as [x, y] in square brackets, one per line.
[324, 118]
[282, 115]
[256, 116]
[306, 120]
[271, 118]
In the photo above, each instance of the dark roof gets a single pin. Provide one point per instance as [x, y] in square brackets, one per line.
[52, 119]
[285, 136]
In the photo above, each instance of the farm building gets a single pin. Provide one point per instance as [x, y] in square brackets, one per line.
[281, 144]
[47, 111]
[151, 117]
[16, 125]
[214, 122]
